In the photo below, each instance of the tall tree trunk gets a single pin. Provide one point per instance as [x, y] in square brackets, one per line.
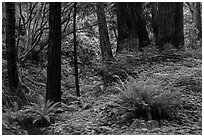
[155, 26]
[166, 19]
[198, 20]
[75, 54]
[124, 25]
[131, 24]
[11, 48]
[170, 20]
[179, 25]
[103, 33]
[141, 26]
[195, 8]
[54, 53]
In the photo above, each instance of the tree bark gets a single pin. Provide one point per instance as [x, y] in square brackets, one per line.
[141, 26]
[54, 53]
[179, 25]
[155, 26]
[124, 25]
[75, 54]
[170, 21]
[195, 8]
[11, 47]
[131, 24]
[103, 33]
[126, 19]
[198, 20]
[166, 23]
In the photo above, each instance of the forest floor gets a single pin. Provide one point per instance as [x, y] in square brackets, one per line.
[101, 114]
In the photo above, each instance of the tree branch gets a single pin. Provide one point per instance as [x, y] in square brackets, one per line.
[190, 6]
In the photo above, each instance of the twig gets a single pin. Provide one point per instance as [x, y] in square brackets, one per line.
[36, 83]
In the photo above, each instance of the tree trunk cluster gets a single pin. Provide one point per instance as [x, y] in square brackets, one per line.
[170, 24]
[131, 25]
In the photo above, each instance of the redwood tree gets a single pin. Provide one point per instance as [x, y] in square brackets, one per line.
[179, 25]
[195, 8]
[54, 53]
[131, 24]
[11, 47]
[170, 24]
[198, 20]
[103, 33]
[141, 26]
[154, 22]
[75, 54]
[126, 21]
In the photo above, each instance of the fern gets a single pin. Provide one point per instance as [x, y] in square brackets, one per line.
[132, 92]
[42, 109]
[140, 96]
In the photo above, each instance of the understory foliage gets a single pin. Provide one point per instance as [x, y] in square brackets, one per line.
[42, 109]
[40, 113]
[146, 102]
[163, 91]
[37, 114]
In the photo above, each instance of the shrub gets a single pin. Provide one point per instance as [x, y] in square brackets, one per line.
[145, 101]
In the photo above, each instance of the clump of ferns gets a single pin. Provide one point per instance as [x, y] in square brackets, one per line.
[42, 110]
[140, 100]
[39, 113]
